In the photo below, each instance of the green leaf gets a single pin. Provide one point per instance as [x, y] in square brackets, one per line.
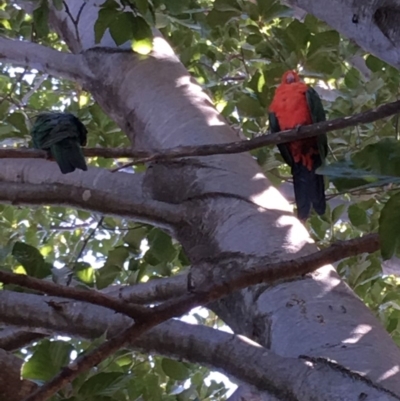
[220, 18]
[142, 6]
[299, 34]
[254, 39]
[174, 369]
[106, 276]
[17, 119]
[249, 106]
[161, 246]
[110, 4]
[58, 4]
[352, 78]
[337, 213]
[270, 9]
[345, 176]
[112, 268]
[358, 217]
[152, 390]
[103, 384]
[142, 36]
[382, 157]
[5, 251]
[6, 130]
[374, 63]
[322, 63]
[32, 260]
[135, 236]
[176, 7]
[106, 17]
[389, 223]
[226, 5]
[135, 389]
[117, 257]
[47, 360]
[324, 42]
[121, 28]
[84, 272]
[41, 19]
[124, 26]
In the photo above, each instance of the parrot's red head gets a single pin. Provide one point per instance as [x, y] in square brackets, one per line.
[290, 77]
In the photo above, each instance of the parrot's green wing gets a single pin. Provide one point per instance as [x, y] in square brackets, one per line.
[52, 128]
[62, 134]
[283, 149]
[317, 115]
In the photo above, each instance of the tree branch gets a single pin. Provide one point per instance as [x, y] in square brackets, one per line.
[152, 291]
[274, 375]
[91, 296]
[12, 387]
[154, 317]
[227, 276]
[253, 272]
[176, 339]
[210, 280]
[246, 360]
[144, 321]
[247, 393]
[37, 182]
[305, 131]
[107, 153]
[12, 338]
[42, 58]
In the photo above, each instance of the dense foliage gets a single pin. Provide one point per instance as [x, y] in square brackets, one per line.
[238, 51]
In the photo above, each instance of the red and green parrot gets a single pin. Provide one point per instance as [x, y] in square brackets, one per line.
[293, 105]
[62, 135]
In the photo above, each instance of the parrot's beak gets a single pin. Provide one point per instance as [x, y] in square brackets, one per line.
[290, 78]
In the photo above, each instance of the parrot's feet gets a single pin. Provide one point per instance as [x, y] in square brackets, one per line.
[297, 127]
[48, 156]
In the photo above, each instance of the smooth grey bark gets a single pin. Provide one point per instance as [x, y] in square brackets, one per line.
[284, 378]
[12, 388]
[232, 208]
[373, 25]
[38, 182]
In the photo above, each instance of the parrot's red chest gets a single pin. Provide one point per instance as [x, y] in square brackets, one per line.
[290, 105]
[295, 104]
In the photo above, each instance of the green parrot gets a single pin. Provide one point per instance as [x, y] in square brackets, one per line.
[62, 135]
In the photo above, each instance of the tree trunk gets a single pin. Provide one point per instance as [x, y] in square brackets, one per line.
[228, 207]
[373, 25]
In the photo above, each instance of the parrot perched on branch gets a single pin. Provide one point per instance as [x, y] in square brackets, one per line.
[62, 135]
[293, 105]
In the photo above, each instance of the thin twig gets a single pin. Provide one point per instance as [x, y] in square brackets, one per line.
[34, 88]
[78, 17]
[91, 296]
[68, 228]
[87, 239]
[244, 62]
[235, 78]
[14, 87]
[75, 22]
